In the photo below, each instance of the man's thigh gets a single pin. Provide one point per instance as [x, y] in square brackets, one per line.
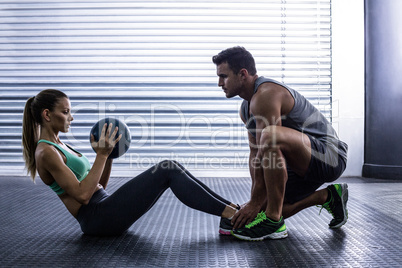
[326, 165]
[294, 145]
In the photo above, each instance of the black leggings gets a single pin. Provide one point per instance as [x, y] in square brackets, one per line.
[114, 214]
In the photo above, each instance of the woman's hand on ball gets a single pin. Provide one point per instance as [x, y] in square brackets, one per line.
[107, 141]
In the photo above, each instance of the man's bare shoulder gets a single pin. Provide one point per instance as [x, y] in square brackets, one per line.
[270, 89]
[271, 96]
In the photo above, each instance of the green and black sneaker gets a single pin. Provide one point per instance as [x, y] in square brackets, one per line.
[336, 206]
[262, 228]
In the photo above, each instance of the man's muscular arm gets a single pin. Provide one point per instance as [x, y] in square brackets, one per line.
[266, 106]
[258, 193]
[258, 197]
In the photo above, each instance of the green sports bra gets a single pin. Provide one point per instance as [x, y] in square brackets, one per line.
[79, 165]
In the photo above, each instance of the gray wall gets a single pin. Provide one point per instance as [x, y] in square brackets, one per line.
[383, 101]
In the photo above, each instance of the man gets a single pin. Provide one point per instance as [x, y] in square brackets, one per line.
[293, 151]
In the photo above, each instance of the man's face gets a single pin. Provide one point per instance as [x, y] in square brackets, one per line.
[228, 81]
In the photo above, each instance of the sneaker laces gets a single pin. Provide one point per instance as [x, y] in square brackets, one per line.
[326, 206]
[260, 217]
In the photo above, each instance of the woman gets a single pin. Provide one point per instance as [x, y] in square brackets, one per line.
[81, 187]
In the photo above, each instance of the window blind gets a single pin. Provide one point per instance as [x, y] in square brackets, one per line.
[149, 64]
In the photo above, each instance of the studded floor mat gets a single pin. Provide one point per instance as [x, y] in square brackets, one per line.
[37, 231]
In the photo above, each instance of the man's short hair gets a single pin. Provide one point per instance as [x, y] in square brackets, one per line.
[237, 58]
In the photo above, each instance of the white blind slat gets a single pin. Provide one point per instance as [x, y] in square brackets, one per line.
[149, 64]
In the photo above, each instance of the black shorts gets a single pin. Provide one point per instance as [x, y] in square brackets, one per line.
[328, 161]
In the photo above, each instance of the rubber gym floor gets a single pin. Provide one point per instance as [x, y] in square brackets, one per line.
[37, 231]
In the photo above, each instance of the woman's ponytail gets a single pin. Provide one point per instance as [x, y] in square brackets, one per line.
[30, 134]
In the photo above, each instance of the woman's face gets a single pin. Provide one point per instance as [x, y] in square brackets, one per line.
[61, 116]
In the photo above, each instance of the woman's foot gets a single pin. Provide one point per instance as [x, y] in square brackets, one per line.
[225, 225]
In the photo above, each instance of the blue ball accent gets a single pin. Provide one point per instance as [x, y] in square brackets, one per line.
[124, 143]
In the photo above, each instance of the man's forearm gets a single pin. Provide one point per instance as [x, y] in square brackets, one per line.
[258, 188]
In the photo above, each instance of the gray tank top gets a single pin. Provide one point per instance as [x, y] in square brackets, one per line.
[304, 117]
